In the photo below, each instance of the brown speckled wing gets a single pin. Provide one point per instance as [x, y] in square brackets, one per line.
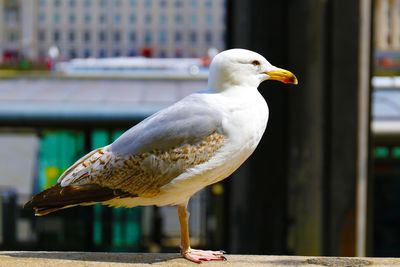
[141, 174]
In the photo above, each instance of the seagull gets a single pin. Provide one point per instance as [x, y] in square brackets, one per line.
[171, 155]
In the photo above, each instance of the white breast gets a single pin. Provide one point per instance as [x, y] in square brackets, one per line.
[246, 120]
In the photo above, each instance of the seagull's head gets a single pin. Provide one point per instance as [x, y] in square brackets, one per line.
[244, 68]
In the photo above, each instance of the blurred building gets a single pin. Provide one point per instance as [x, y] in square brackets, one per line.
[105, 28]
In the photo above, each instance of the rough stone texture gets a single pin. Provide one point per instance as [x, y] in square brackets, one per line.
[77, 259]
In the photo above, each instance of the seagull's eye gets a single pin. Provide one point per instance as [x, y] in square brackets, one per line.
[255, 62]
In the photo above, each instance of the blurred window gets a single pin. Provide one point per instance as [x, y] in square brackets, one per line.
[132, 3]
[72, 3]
[117, 36]
[148, 3]
[117, 53]
[103, 3]
[12, 37]
[102, 36]
[209, 19]
[147, 37]
[56, 36]
[41, 18]
[178, 3]
[87, 3]
[163, 3]
[72, 53]
[208, 37]
[102, 53]
[193, 37]
[163, 37]
[42, 3]
[178, 37]
[42, 36]
[86, 36]
[132, 18]
[86, 53]
[57, 3]
[147, 19]
[163, 18]
[132, 37]
[163, 53]
[56, 18]
[209, 3]
[72, 18]
[71, 36]
[178, 19]
[102, 18]
[117, 19]
[132, 53]
[193, 19]
[87, 18]
[117, 3]
[193, 3]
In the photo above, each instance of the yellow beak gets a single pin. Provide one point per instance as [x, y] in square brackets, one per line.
[282, 76]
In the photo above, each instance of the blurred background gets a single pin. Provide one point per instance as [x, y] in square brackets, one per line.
[325, 179]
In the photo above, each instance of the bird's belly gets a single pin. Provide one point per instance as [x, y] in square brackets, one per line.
[183, 187]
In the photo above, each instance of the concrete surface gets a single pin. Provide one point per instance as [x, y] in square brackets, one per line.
[44, 259]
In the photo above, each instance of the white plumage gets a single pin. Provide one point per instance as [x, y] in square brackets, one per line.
[171, 155]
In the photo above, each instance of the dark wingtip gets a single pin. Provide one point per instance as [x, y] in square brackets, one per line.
[45, 211]
[36, 200]
[28, 204]
[58, 197]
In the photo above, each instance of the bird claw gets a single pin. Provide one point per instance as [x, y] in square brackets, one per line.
[197, 255]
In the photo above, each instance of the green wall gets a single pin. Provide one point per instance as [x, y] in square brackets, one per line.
[60, 149]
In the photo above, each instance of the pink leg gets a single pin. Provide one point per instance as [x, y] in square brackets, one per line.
[194, 255]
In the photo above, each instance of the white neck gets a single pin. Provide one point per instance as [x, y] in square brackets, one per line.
[220, 80]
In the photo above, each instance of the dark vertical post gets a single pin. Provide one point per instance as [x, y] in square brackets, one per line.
[157, 233]
[308, 130]
[297, 192]
[346, 113]
[107, 214]
[258, 189]
[88, 211]
[9, 218]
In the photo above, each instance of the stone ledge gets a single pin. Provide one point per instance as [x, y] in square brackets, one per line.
[43, 259]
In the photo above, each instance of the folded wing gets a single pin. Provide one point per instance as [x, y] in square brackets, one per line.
[142, 160]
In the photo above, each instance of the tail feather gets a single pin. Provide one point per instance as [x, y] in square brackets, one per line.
[58, 197]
